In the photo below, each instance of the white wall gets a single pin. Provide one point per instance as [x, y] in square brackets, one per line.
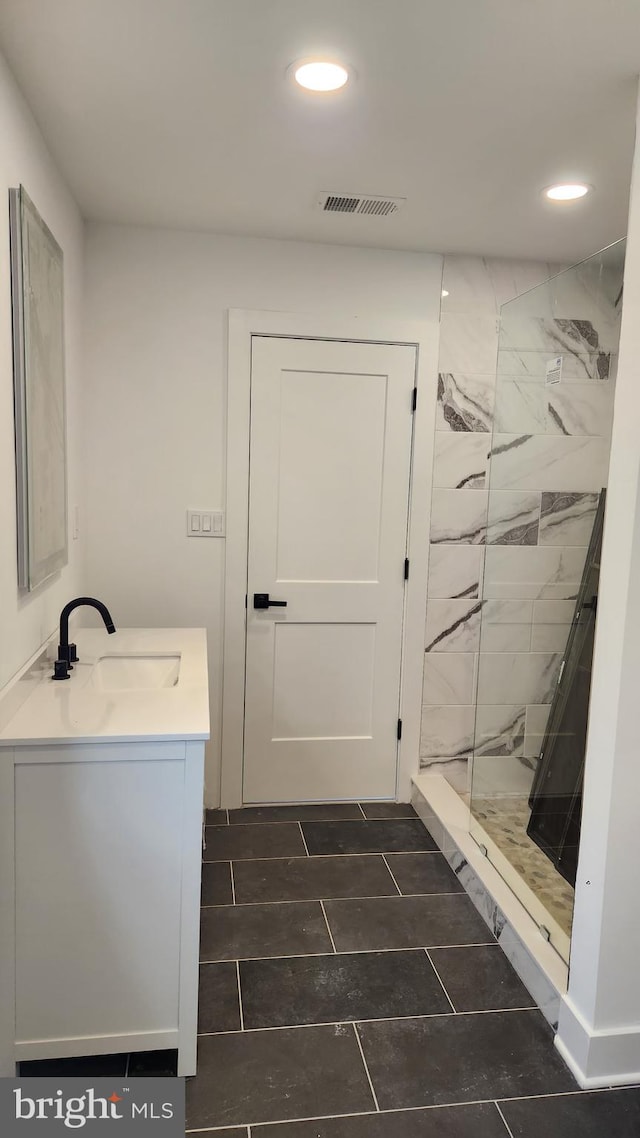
[599, 1029]
[156, 376]
[25, 622]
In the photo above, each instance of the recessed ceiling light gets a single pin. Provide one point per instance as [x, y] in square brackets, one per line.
[567, 191]
[320, 75]
[445, 292]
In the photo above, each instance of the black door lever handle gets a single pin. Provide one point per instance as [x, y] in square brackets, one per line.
[261, 601]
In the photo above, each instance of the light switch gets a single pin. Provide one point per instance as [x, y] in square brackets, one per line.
[205, 523]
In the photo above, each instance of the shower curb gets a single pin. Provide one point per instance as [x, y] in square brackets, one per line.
[540, 968]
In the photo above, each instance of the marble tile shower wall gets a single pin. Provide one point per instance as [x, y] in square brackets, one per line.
[525, 495]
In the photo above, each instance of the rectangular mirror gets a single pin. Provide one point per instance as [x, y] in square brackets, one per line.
[39, 393]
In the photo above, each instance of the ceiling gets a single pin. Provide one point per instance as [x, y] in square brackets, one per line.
[179, 113]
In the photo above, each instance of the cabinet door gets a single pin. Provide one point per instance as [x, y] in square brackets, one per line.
[98, 892]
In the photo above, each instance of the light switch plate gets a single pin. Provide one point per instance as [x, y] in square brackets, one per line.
[205, 523]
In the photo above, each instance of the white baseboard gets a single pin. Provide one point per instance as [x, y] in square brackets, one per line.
[95, 1045]
[597, 1058]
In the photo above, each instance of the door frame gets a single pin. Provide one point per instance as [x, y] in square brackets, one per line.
[424, 336]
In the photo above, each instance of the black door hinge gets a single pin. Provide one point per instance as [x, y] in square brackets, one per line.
[245, 600]
[399, 729]
[414, 399]
[406, 568]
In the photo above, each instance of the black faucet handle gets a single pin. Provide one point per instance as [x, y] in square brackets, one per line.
[68, 654]
[61, 670]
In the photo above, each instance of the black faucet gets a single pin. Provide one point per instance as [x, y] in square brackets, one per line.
[67, 654]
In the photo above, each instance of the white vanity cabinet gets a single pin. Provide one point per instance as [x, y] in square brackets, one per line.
[107, 848]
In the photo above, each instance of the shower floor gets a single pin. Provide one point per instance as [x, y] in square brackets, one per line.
[505, 821]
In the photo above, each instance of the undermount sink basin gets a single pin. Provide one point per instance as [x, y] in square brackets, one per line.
[136, 672]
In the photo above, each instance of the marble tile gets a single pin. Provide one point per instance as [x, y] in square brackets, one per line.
[532, 976]
[549, 637]
[507, 612]
[449, 678]
[455, 571]
[513, 517]
[554, 336]
[469, 284]
[500, 730]
[465, 402]
[458, 517]
[453, 625]
[518, 277]
[533, 571]
[468, 342]
[520, 406]
[517, 678]
[456, 772]
[539, 462]
[552, 622]
[506, 626]
[461, 460]
[505, 638]
[534, 729]
[580, 409]
[576, 368]
[495, 775]
[488, 282]
[553, 612]
[567, 519]
[447, 732]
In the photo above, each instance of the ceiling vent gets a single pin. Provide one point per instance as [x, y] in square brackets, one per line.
[371, 204]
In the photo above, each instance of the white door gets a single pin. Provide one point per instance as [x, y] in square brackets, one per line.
[331, 429]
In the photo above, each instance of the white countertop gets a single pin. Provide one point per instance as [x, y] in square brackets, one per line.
[40, 710]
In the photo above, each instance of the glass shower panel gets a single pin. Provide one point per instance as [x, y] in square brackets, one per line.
[549, 458]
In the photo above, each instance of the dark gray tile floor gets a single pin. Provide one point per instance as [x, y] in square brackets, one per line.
[479, 979]
[423, 873]
[479, 1121]
[239, 932]
[226, 843]
[218, 1006]
[216, 883]
[305, 879]
[370, 836]
[405, 922]
[370, 998]
[348, 989]
[339, 988]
